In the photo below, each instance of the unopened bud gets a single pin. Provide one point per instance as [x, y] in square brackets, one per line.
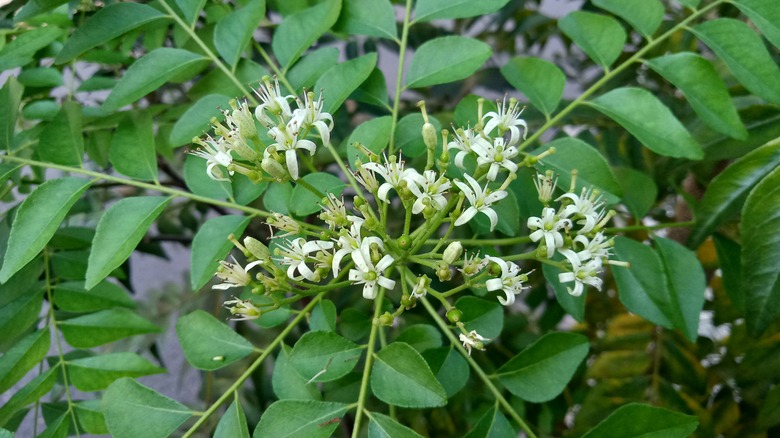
[453, 252]
[454, 315]
[274, 168]
[257, 248]
[386, 319]
[404, 242]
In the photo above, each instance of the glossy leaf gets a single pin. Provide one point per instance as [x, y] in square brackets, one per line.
[729, 259]
[97, 372]
[644, 15]
[744, 53]
[650, 121]
[373, 134]
[760, 231]
[196, 119]
[29, 393]
[22, 357]
[300, 418]
[37, 220]
[106, 24]
[408, 134]
[399, 366]
[373, 90]
[288, 383]
[306, 72]
[639, 202]
[299, 31]
[191, 9]
[208, 344]
[433, 62]
[324, 356]
[765, 15]
[90, 417]
[233, 423]
[199, 183]
[540, 80]
[574, 306]
[211, 244]
[133, 410]
[727, 192]
[486, 317]
[323, 316]
[492, 424]
[22, 48]
[686, 284]
[10, 100]
[103, 327]
[635, 419]
[304, 202]
[342, 79]
[20, 314]
[542, 371]
[118, 232]
[61, 141]
[132, 150]
[421, 337]
[599, 36]
[40, 77]
[382, 426]
[34, 8]
[427, 10]
[367, 17]
[150, 73]
[233, 32]
[72, 297]
[449, 367]
[704, 90]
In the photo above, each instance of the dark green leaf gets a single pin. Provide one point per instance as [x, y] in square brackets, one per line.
[233, 423]
[211, 244]
[433, 61]
[324, 356]
[542, 371]
[645, 15]
[486, 317]
[118, 233]
[90, 417]
[133, 410]
[373, 90]
[22, 357]
[40, 77]
[382, 426]
[21, 49]
[41, 110]
[770, 409]
[196, 119]
[367, 17]
[37, 220]
[686, 284]
[300, 418]
[61, 141]
[541, 81]
[639, 202]
[72, 297]
[216, 81]
[574, 306]
[492, 424]
[20, 314]
[599, 36]
[245, 190]
[29, 393]
[427, 10]
[233, 32]
[103, 327]
[299, 31]
[421, 337]
[399, 366]
[323, 316]
[450, 368]
[408, 134]
[199, 183]
[303, 202]
[760, 230]
[277, 198]
[132, 150]
[36, 7]
[635, 419]
[304, 73]
[765, 15]
[209, 344]
[342, 79]
[729, 260]
[10, 100]
[286, 381]
[97, 372]
[191, 9]
[650, 121]
[373, 135]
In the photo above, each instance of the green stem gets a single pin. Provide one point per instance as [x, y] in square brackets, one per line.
[650, 227]
[302, 182]
[280, 75]
[361, 406]
[399, 76]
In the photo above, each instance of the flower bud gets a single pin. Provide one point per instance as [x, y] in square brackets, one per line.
[444, 273]
[386, 319]
[274, 168]
[257, 248]
[453, 252]
[404, 242]
[408, 301]
[454, 315]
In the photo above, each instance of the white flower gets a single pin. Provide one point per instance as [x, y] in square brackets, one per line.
[272, 101]
[507, 118]
[216, 153]
[245, 309]
[368, 274]
[233, 274]
[334, 213]
[586, 207]
[463, 141]
[545, 186]
[481, 201]
[581, 274]
[366, 178]
[472, 265]
[309, 114]
[597, 247]
[393, 173]
[549, 227]
[472, 340]
[511, 281]
[496, 156]
[284, 223]
[429, 190]
[420, 288]
[295, 254]
[350, 241]
[286, 138]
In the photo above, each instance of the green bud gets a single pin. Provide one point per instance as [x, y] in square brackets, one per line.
[454, 315]
[444, 272]
[404, 242]
[386, 319]
[408, 301]
[274, 168]
[257, 248]
[494, 269]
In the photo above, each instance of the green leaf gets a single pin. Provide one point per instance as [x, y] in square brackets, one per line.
[106, 24]
[299, 31]
[765, 15]
[118, 233]
[72, 297]
[745, 55]
[421, 337]
[449, 367]
[486, 317]
[57, 428]
[540, 80]
[373, 134]
[61, 140]
[40, 77]
[342, 79]
[639, 202]
[399, 366]
[644, 15]
[769, 415]
[686, 284]
[367, 17]
[373, 90]
[324, 356]
[729, 254]
[36, 7]
[492, 424]
[382, 426]
[704, 90]
[433, 61]
[508, 212]
[408, 134]
[97, 372]
[132, 150]
[300, 418]
[191, 9]
[211, 244]
[245, 190]
[690, 3]
[727, 192]
[303, 202]
[599, 36]
[90, 417]
[233, 33]
[10, 101]
[323, 316]
[20, 314]
[304, 73]
[104, 326]
[542, 371]
[427, 10]
[760, 231]
[592, 169]
[635, 419]
[233, 423]
[133, 410]
[208, 344]
[31, 392]
[20, 50]
[150, 73]
[216, 81]
[22, 357]
[286, 381]
[574, 306]
[37, 220]
[650, 121]
[199, 183]
[196, 119]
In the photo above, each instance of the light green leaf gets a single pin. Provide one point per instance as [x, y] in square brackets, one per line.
[106, 24]
[540, 80]
[118, 233]
[196, 119]
[57, 428]
[61, 140]
[342, 79]
[323, 316]
[382, 426]
[744, 53]
[639, 202]
[245, 190]
[40, 77]
[304, 73]
[486, 317]
[199, 183]
[277, 198]
[367, 17]
[727, 192]
[599, 36]
[151, 72]
[103, 327]
[690, 3]
[644, 15]
[421, 337]
[399, 366]
[408, 134]
[132, 410]
[233, 423]
[22, 357]
[299, 31]
[373, 135]
[760, 231]
[10, 100]
[208, 344]
[286, 381]
[31, 392]
[72, 297]
[373, 90]
[433, 62]
[21, 49]
[324, 356]
[427, 10]
[650, 121]
[635, 419]
[492, 424]
[303, 202]
[542, 371]
[36, 7]
[704, 90]
[216, 81]
[233, 32]
[90, 417]
[449, 367]
[97, 372]
[686, 284]
[300, 418]
[191, 9]
[132, 150]
[211, 244]
[574, 306]
[20, 314]
[37, 220]
[765, 15]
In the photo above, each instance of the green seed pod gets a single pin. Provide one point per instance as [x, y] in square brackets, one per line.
[454, 315]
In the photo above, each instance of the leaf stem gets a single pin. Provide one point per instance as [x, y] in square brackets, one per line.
[361, 406]
[399, 76]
